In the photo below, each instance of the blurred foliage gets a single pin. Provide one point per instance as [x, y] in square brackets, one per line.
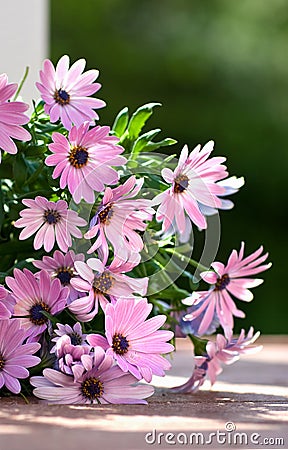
[219, 67]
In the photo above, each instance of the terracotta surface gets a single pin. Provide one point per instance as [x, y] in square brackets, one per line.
[251, 395]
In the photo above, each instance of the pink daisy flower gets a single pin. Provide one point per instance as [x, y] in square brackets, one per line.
[226, 280]
[71, 359]
[65, 92]
[187, 324]
[193, 183]
[136, 343]
[15, 357]
[62, 267]
[77, 337]
[33, 295]
[11, 117]
[52, 220]
[84, 160]
[6, 303]
[231, 186]
[118, 219]
[102, 281]
[101, 383]
[223, 351]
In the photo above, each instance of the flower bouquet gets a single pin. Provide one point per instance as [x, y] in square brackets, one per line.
[97, 231]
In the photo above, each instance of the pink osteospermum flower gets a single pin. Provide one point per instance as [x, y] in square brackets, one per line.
[66, 92]
[101, 383]
[84, 160]
[71, 359]
[223, 351]
[15, 357]
[231, 186]
[118, 219]
[104, 283]
[11, 117]
[6, 303]
[77, 337]
[136, 343]
[193, 182]
[62, 266]
[227, 280]
[51, 220]
[32, 295]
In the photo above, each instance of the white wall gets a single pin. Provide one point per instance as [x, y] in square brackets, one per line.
[24, 29]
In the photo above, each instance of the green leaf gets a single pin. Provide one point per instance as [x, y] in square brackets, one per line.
[35, 151]
[20, 170]
[156, 161]
[6, 170]
[172, 292]
[144, 140]
[14, 247]
[121, 122]
[151, 146]
[21, 265]
[199, 345]
[1, 207]
[145, 143]
[6, 260]
[139, 118]
[3, 275]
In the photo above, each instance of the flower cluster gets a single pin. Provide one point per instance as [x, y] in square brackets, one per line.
[78, 298]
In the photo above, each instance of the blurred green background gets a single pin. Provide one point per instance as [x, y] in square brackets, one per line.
[220, 69]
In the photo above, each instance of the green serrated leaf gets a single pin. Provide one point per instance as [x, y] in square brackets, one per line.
[139, 118]
[121, 122]
[151, 146]
[143, 141]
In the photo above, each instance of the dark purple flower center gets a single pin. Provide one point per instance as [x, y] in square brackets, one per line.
[78, 157]
[36, 315]
[180, 184]
[103, 283]
[76, 338]
[2, 362]
[92, 388]
[222, 282]
[61, 97]
[51, 216]
[64, 274]
[120, 344]
[106, 213]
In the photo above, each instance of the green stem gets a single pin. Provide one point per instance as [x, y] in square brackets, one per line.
[25, 398]
[21, 83]
[52, 319]
[190, 261]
